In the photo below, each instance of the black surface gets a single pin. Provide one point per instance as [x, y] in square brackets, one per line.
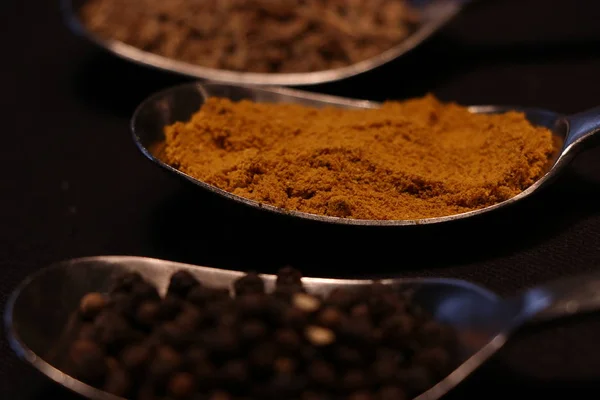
[73, 183]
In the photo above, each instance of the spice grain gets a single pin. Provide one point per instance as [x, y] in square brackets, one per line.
[255, 35]
[363, 344]
[415, 159]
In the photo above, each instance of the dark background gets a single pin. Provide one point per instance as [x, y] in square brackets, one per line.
[74, 184]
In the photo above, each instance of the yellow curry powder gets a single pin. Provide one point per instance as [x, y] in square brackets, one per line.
[414, 159]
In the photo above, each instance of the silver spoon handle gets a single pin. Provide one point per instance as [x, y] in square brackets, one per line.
[581, 125]
[563, 298]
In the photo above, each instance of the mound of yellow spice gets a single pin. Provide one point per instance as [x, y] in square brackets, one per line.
[414, 159]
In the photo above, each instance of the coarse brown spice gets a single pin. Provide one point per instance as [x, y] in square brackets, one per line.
[265, 36]
[419, 158]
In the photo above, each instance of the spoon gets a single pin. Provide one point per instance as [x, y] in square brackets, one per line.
[435, 13]
[41, 306]
[179, 103]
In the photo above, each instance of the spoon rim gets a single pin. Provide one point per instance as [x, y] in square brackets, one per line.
[24, 352]
[203, 89]
[138, 56]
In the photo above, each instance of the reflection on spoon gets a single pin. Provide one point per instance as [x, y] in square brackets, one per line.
[42, 305]
[180, 102]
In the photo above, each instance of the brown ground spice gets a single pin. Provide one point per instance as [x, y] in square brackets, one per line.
[283, 36]
[414, 159]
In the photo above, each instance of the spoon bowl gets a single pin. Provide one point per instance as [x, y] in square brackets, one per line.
[43, 304]
[435, 14]
[179, 103]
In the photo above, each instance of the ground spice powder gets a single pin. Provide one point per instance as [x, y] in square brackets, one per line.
[414, 159]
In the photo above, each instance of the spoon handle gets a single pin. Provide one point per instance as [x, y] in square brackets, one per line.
[563, 298]
[581, 126]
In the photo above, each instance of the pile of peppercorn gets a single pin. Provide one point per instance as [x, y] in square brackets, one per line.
[199, 342]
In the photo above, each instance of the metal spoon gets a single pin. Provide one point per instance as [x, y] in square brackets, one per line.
[435, 13]
[42, 305]
[180, 102]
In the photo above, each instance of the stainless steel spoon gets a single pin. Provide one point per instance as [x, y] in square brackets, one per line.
[42, 305]
[180, 102]
[436, 14]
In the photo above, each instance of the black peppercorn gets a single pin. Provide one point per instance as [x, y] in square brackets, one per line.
[181, 283]
[354, 380]
[262, 358]
[200, 295]
[365, 344]
[147, 313]
[169, 308]
[87, 361]
[358, 331]
[385, 304]
[123, 303]
[346, 355]
[322, 374]
[309, 353]
[117, 382]
[341, 298]
[123, 282]
[174, 335]
[250, 283]
[285, 386]
[205, 372]
[252, 331]
[391, 355]
[252, 304]
[91, 304]
[112, 363]
[293, 317]
[234, 373]
[362, 395]
[166, 361]
[287, 339]
[136, 357]
[329, 317]
[219, 395]
[289, 276]
[190, 318]
[286, 292]
[416, 379]
[306, 302]
[195, 355]
[216, 309]
[384, 371]
[284, 365]
[392, 393]
[181, 385]
[319, 336]
[87, 331]
[220, 294]
[221, 342]
[112, 330]
[228, 320]
[311, 395]
[147, 391]
[436, 359]
[360, 311]
[397, 328]
[142, 291]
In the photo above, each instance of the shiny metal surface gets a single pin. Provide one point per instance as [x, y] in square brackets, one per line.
[436, 13]
[180, 102]
[42, 305]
